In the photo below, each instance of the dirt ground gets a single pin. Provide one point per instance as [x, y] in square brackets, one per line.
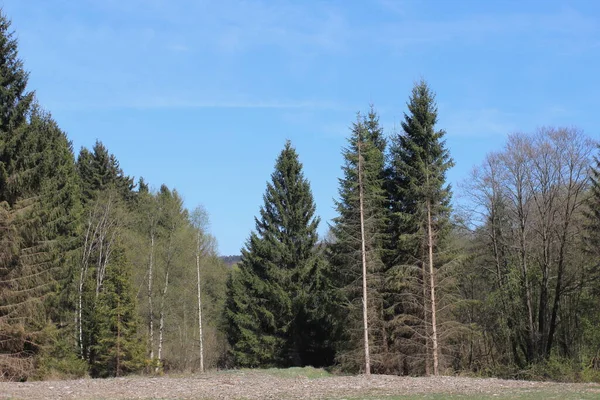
[260, 385]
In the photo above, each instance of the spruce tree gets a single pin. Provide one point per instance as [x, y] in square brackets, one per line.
[15, 105]
[365, 177]
[420, 204]
[39, 199]
[271, 321]
[108, 196]
[100, 170]
[117, 346]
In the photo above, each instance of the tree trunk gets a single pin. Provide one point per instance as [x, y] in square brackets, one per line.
[87, 246]
[425, 320]
[560, 272]
[199, 305]
[150, 306]
[364, 264]
[528, 300]
[161, 327]
[434, 339]
[118, 361]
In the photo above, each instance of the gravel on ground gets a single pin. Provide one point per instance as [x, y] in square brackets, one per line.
[260, 385]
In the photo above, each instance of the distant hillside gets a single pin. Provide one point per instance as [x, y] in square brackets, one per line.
[231, 260]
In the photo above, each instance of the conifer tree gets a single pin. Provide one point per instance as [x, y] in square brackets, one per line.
[361, 222]
[15, 107]
[99, 170]
[106, 308]
[39, 200]
[420, 203]
[118, 348]
[270, 318]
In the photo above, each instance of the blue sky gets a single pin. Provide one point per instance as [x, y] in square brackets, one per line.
[201, 95]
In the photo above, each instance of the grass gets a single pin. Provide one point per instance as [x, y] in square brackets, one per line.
[524, 395]
[514, 394]
[294, 372]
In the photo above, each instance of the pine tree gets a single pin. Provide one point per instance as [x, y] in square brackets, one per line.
[15, 105]
[269, 295]
[99, 170]
[362, 221]
[103, 225]
[118, 348]
[40, 201]
[108, 195]
[420, 202]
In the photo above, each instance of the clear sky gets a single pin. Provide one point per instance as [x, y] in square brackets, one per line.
[201, 95]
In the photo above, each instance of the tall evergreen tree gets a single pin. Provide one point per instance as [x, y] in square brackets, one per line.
[117, 347]
[99, 170]
[363, 174]
[269, 318]
[420, 203]
[40, 201]
[15, 106]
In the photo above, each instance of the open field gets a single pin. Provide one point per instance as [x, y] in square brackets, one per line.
[295, 384]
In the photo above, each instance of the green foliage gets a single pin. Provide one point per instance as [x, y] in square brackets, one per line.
[57, 359]
[165, 237]
[416, 185]
[77, 246]
[367, 142]
[593, 213]
[270, 319]
[117, 348]
[99, 170]
[294, 372]
[39, 201]
[16, 100]
[554, 369]
[418, 164]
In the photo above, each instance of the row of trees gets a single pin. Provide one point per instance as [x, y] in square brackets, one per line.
[375, 278]
[97, 275]
[101, 275]
[504, 284]
[532, 273]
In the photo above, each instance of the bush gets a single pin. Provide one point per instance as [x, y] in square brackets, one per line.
[57, 359]
[66, 367]
[559, 370]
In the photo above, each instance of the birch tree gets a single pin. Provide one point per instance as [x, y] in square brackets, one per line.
[199, 219]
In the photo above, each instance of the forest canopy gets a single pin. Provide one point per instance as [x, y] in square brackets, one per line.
[102, 274]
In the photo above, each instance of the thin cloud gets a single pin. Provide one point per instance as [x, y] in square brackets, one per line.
[173, 103]
[394, 6]
[179, 48]
[478, 26]
[477, 123]
[181, 104]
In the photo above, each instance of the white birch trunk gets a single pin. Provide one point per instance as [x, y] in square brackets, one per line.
[199, 305]
[162, 321]
[150, 306]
